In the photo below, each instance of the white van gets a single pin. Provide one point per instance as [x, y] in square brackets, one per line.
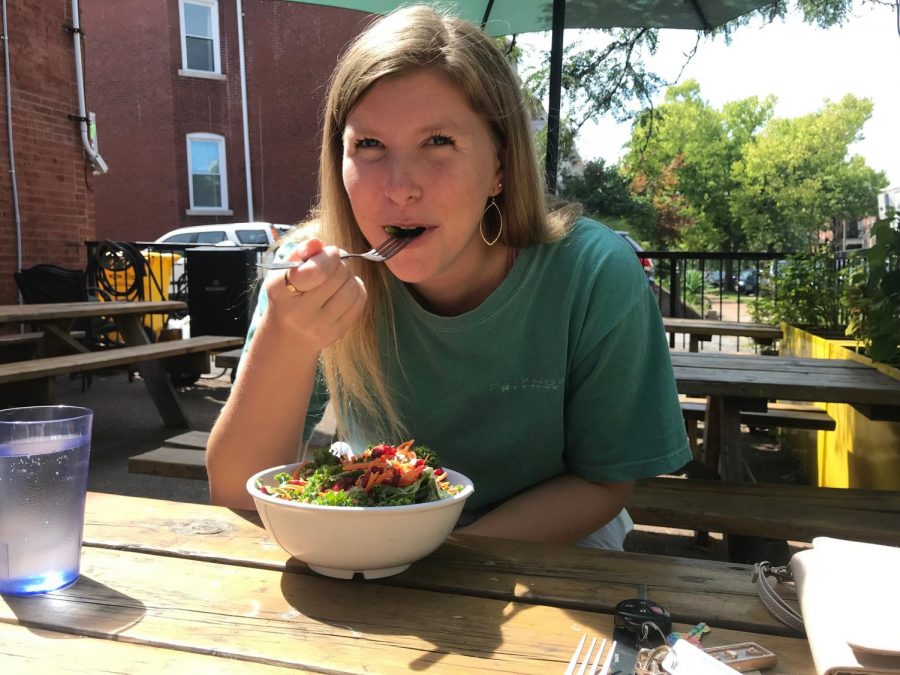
[231, 234]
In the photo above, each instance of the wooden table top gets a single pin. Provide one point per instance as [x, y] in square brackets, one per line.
[76, 310]
[715, 327]
[783, 377]
[184, 585]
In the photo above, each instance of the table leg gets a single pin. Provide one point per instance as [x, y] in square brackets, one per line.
[154, 375]
[719, 428]
[730, 452]
[726, 418]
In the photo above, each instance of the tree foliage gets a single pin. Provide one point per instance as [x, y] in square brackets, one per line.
[719, 180]
[680, 159]
[600, 189]
[613, 80]
[794, 176]
[740, 179]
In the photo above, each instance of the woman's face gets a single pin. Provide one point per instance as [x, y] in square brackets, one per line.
[415, 154]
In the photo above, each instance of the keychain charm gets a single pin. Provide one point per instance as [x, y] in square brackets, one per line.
[683, 658]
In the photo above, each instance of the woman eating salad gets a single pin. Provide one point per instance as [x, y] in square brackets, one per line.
[520, 342]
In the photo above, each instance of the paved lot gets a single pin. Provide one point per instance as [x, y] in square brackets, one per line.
[127, 423]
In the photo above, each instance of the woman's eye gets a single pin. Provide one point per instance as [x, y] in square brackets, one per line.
[366, 143]
[441, 139]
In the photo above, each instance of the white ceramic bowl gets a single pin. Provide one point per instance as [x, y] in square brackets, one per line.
[376, 541]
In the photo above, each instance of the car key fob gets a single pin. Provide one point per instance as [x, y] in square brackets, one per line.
[647, 620]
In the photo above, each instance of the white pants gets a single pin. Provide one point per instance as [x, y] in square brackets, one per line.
[612, 535]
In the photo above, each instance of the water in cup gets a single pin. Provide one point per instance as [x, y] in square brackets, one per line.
[43, 479]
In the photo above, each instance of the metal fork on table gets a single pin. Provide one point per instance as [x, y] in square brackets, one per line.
[577, 654]
[384, 251]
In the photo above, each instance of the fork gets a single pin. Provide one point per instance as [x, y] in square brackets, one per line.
[573, 662]
[384, 251]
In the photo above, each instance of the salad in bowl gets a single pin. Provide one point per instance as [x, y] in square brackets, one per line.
[373, 513]
[382, 475]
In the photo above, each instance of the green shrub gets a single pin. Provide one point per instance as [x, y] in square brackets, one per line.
[872, 294]
[806, 293]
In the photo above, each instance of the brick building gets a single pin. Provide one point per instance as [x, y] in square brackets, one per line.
[165, 82]
[54, 182]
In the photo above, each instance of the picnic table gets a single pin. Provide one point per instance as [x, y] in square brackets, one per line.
[733, 383]
[703, 330]
[178, 587]
[60, 353]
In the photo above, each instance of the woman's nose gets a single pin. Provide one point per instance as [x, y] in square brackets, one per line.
[401, 184]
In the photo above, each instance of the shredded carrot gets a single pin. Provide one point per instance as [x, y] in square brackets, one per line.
[403, 447]
[364, 465]
[376, 479]
[411, 477]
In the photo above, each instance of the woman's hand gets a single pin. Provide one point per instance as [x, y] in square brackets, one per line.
[317, 302]
[262, 421]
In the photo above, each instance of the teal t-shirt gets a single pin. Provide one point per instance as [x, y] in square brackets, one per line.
[564, 368]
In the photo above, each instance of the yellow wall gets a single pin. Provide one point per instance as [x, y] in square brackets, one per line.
[859, 453]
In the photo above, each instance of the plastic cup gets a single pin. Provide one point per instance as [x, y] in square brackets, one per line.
[44, 453]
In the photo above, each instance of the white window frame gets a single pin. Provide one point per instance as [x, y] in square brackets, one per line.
[222, 209]
[216, 73]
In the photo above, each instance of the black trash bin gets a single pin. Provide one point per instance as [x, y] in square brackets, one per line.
[222, 289]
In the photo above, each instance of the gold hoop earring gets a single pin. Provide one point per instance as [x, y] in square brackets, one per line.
[481, 223]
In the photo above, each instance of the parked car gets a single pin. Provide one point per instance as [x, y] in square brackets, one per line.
[716, 278]
[646, 262]
[232, 234]
[774, 274]
[748, 282]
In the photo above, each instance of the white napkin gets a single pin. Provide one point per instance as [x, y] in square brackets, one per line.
[848, 592]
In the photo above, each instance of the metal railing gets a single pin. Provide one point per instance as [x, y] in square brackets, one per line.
[716, 285]
[698, 284]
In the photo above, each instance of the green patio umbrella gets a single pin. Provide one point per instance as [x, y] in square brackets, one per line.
[511, 17]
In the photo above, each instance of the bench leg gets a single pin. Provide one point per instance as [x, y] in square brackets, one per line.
[155, 376]
[690, 427]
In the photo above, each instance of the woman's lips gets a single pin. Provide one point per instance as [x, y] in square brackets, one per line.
[413, 232]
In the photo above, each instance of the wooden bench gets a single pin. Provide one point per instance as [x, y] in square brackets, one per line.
[782, 415]
[229, 359]
[22, 346]
[34, 337]
[184, 455]
[774, 511]
[188, 349]
[792, 415]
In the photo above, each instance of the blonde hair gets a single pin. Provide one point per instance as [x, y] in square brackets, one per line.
[404, 41]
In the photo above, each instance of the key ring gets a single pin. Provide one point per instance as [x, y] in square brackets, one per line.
[649, 661]
[645, 632]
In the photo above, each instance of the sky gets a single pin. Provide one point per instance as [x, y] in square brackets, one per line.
[802, 65]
